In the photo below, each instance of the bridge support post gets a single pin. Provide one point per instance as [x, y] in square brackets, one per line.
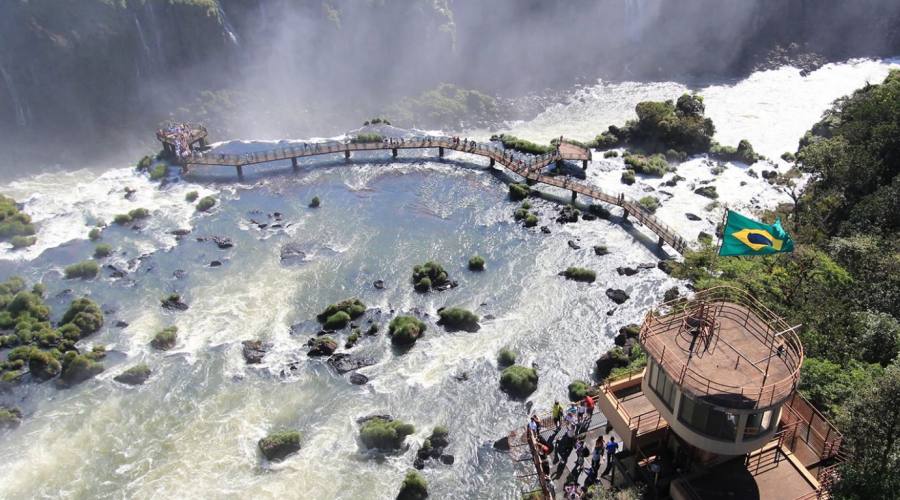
[584, 164]
[347, 154]
[240, 171]
[574, 195]
[660, 242]
[294, 163]
[624, 214]
[394, 152]
[441, 151]
[530, 182]
[492, 162]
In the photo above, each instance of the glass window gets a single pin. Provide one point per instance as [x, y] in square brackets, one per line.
[662, 385]
[707, 420]
[758, 423]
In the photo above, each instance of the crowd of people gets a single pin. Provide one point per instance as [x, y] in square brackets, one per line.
[570, 428]
[180, 136]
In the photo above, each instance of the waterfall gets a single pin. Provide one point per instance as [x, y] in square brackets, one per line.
[143, 39]
[21, 114]
[154, 29]
[229, 29]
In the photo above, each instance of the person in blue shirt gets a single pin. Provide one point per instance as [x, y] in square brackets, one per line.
[611, 447]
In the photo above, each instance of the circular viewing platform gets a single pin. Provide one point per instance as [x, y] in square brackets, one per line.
[725, 348]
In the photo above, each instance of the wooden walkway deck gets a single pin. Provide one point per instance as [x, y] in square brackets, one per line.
[530, 167]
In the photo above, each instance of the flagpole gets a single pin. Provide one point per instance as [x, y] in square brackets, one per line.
[721, 236]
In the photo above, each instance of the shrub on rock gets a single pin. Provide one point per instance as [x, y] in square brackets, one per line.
[136, 375]
[531, 220]
[506, 358]
[84, 270]
[611, 154]
[165, 339]
[191, 196]
[122, 219]
[456, 318]
[10, 417]
[580, 274]
[206, 203]
[337, 321]
[315, 202]
[384, 434]
[655, 165]
[22, 241]
[159, 171]
[83, 314]
[42, 364]
[322, 346]
[476, 263]
[518, 381]
[102, 250]
[437, 276]
[139, 213]
[649, 203]
[707, 191]
[276, 447]
[518, 191]
[578, 389]
[77, 368]
[423, 285]
[405, 330]
[628, 177]
[354, 308]
[414, 487]
[12, 221]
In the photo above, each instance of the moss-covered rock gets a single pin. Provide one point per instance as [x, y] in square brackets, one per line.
[136, 375]
[77, 368]
[578, 389]
[707, 191]
[315, 202]
[84, 314]
[139, 213]
[506, 358]
[476, 263]
[42, 364]
[353, 308]
[649, 203]
[12, 221]
[122, 219]
[322, 346]
[580, 274]
[191, 196]
[206, 203]
[518, 191]
[159, 171]
[518, 381]
[10, 417]
[173, 302]
[22, 241]
[414, 487]
[405, 330]
[337, 321]
[531, 220]
[85, 270]
[456, 318]
[165, 339]
[384, 434]
[278, 446]
[102, 250]
[437, 277]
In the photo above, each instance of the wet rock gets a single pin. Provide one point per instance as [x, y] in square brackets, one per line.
[180, 232]
[568, 214]
[129, 192]
[589, 216]
[215, 263]
[606, 363]
[174, 303]
[626, 271]
[322, 346]
[627, 333]
[447, 459]
[358, 379]
[665, 266]
[601, 250]
[646, 265]
[385, 417]
[114, 272]
[292, 253]
[64, 293]
[277, 447]
[692, 217]
[611, 312]
[222, 242]
[418, 463]
[180, 274]
[446, 286]
[502, 444]
[121, 324]
[461, 377]
[136, 375]
[378, 284]
[617, 295]
[344, 362]
[545, 229]
[254, 351]
[573, 245]
[671, 294]
[488, 317]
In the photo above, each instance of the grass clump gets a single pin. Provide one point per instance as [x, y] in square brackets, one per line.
[84, 270]
[707, 191]
[655, 165]
[628, 177]
[367, 137]
[84, 315]
[414, 487]
[405, 330]
[337, 321]
[382, 434]
[506, 358]
[12, 221]
[649, 203]
[456, 318]
[521, 145]
[476, 263]
[578, 389]
[135, 375]
[518, 381]
[611, 154]
[102, 250]
[122, 219]
[518, 191]
[580, 274]
[277, 446]
[94, 234]
[353, 308]
[77, 368]
[429, 275]
[191, 196]
[206, 203]
[531, 220]
[165, 339]
[139, 213]
[159, 172]
[22, 241]
[743, 153]
[144, 163]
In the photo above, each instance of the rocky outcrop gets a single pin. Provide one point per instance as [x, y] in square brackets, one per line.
[136, 375]
[292, 253]
[254, 351]
[344, 362]
[616, 295]
[278, 446]
[322, 346]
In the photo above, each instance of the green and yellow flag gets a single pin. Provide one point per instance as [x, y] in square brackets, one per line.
[745, 236]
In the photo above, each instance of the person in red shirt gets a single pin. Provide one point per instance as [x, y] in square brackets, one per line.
[589, 405]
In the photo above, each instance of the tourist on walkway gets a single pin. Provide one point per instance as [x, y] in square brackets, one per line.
[589, 406]
[557, 414]
[611, 447]
[597, 456]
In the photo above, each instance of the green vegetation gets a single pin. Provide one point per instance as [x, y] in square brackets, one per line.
[634, 361]
[521, 145]
[77, 368]
[628, 177]
[383, 434]
[446, 106]
[102, 250]
[94, 234]
[580, 274]
[611, 154]
[352, 339]
[788, 157]
[743, 153]
[122, 219]
[518, 191]
[337, 321]
[531, 220]
[144, 163]
[315, 202]
[367, 137]
[476, 263]
[135, 375]
[655, 165]
[165, 339]
[518, 381]
[206, 203]
[353, 308]
[377, 121]
[506, 358]
[578, 389]
[277, 446]
[84, 270]
[22, 241]
[414, 487]
[159, 171]
[843, 280]
[456, 318]
[82, 318]
[405, 330]
[9, 417]
[707, 191]
[139, 213]
[649, 203]
[191, 196]
[13, 222]
[430, 275]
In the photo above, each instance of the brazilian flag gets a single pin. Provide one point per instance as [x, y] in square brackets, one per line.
[745, 236]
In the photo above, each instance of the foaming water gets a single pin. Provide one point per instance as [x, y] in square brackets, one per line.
[191, 431]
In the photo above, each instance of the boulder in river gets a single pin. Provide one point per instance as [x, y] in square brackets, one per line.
[601, 250]
[254, 351]
[626, 271]
[378, 284]
[616, 295]
[292, 253]
[280, 445]
[568, 214]
[215, 263]
[692, 217]
[573, 245]
[222, 242]
[358, 379]
[609, 361]
[136, 375]
[10, 417]
[343, 362]
[665, 266]
[322, 346]
[173, 302]
[545, 229]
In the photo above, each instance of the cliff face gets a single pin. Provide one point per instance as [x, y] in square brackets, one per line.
[85, 69]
